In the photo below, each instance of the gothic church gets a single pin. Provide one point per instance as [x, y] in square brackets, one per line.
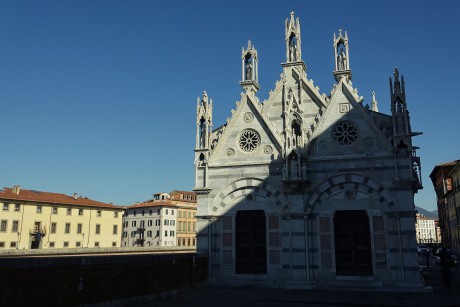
[304, 189]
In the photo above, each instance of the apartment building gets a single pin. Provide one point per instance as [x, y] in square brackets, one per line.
[151, 223]
[32, 219]
[167, 220]
[186, 217]
[425, 229]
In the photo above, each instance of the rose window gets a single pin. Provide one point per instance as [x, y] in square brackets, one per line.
[249, 140]
[345, 133]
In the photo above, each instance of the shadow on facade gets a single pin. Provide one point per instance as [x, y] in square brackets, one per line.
[307, 190]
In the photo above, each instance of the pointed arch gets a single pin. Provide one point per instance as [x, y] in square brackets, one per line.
[246, 186]
[351, 183]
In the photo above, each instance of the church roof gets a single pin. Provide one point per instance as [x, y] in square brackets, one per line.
[18, 194]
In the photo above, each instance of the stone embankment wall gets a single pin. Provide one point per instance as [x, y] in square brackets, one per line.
[121, 279]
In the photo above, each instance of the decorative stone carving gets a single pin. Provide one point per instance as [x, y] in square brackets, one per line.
[345, 133]
[248, 117]
[230, 152]
[268, 149]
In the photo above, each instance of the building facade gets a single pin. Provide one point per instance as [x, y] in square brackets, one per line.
[445, 178]
[32, 219]
[425, 229]
[167, 220]
[307, 189]
[186, 217]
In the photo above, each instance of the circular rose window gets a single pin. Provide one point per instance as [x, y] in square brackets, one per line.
[345, 133]
[249, 140]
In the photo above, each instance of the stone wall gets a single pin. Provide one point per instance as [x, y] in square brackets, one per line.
[83, 279]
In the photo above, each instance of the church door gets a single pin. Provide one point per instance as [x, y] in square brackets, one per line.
[352, 243]
[251, 246]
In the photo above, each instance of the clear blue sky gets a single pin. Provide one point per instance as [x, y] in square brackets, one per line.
[99, 97]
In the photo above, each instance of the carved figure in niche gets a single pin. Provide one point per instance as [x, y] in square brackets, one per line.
[304, 170]
[294, 168]
[341, 60]
[248, 70]
[292, 49]
[202, 133]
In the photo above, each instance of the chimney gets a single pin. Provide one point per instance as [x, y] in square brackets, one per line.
[16, 189]
[75, 195]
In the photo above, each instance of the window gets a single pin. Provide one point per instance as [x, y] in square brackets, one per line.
[98, 213]
[166, 233]
[157, 223]
[115, 229]
[157, 234]
[178, 242]
[98, 229]
[96, 244]
[133, 224]
[143, 212]
[53, 228]
[79, 227]
[188, 227]
[5, 207]
[142, 224]
[249, 140]
[172, 212]
[188, 241]
[80, 211]
[55, 210]
[78, 244]
[114, 244]
[183, 242]
[149, 234]
[67, 228]
[125, 234]
[189, 215]
[39, 209]
[345, 133]
[171, 233]
[51, 244]
[159, 211]
[134, 213]
[194, 243]
[12, 244]
[15, 226]
[149, 223]
[150, 212]
[16, 207]
[133, 234]
[179, 214]
[166, 212]
[194, 226]
[69, 211]
[166, 222]
[3, 225]
[66, 244]
[173, 223]
[115, 214]
[125, 224]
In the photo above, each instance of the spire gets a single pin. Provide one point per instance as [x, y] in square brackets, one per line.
[203, 122]
[342, 57]
[293, 40]
[374, 106]
[249, 69]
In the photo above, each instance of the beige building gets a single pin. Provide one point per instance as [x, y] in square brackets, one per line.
[32, 219]
[186, 220]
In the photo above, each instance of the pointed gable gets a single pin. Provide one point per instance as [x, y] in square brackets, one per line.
[248, 134]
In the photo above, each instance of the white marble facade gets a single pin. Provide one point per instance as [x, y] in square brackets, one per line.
[307, 189]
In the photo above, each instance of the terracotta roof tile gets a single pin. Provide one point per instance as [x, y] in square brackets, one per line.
[152, 203]
[52, 198]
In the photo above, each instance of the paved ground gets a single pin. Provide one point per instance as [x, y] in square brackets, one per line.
[222, 296]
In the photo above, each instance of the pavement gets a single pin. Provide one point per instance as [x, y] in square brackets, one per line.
[222, 296]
